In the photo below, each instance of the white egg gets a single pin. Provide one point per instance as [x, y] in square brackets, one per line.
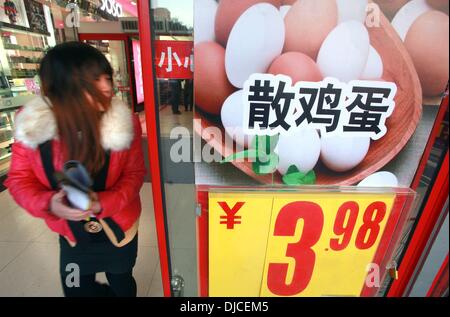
[204, 17]
[380, 179]
[351, 10]
[344, 52]
[232, 115]
[406, 16]
[374, 66]
[284, 10]
[255, 40]
[342, 153]
[301, 148]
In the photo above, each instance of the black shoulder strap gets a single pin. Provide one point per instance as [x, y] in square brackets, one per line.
[100, 185]
[45, 150]
[100, 178]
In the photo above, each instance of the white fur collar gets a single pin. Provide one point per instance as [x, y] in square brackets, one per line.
[36, 124]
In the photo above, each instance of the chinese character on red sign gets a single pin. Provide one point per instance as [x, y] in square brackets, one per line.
[174, 59]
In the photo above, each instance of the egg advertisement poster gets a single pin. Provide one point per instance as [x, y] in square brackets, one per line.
[317, 92]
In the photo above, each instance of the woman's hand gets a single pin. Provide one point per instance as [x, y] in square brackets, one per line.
[96, 208]
[95, 204]
[62, 210]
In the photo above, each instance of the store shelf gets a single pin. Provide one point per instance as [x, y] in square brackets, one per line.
[5, 91]
[13, 103]
[24, 76]
[4, 166]
[6, 143]
[26, 69]
[6, 127]
[14, 60]
[7, 155]
[16, 89]
[23, 48]
[18, 63]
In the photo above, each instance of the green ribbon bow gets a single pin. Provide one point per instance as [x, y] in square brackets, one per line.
[295, 177]
[265, 161]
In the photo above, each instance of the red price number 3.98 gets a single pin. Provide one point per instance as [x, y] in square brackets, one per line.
[313, 222]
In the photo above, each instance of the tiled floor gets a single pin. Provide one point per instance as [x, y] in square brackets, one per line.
[29, 253]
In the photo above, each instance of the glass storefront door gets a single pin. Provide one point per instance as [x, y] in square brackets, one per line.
[116, 51]
[171, 75]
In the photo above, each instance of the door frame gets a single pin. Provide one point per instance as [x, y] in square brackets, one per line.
[153, 135]
[429, 215]
[426, 223]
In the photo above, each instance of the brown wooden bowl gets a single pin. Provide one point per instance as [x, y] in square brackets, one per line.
[398, 68]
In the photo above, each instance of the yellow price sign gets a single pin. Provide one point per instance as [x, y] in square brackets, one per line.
[293, 244]
[238, 230]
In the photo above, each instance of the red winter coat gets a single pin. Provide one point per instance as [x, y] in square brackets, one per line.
[120, 133]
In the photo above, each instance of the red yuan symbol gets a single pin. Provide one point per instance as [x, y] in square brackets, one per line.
[230, 219]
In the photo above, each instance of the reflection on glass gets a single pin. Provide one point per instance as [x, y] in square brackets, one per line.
[173, 17]
[173, 25]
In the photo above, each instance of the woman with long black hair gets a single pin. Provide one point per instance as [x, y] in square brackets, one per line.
[77, 118]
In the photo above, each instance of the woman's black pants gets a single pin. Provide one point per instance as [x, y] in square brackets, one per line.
[120, 285]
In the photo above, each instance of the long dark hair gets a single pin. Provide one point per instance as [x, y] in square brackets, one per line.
[67, 72]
